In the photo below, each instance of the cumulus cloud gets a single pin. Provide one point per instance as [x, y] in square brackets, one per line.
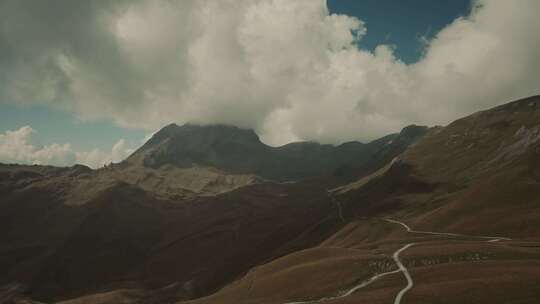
[288, 69]
[22, 146]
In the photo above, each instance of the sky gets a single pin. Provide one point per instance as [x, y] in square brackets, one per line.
[89, 81]
[403, 24]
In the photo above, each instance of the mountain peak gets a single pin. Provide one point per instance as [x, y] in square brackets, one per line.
[205, 134]
[413, 131]
[204, 145]
[239, 151]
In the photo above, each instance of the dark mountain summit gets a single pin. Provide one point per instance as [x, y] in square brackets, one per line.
[225, 147]
[240, 151]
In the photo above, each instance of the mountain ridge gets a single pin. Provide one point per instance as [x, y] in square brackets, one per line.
[237, 150]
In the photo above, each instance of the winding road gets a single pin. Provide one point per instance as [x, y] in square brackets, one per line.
[347, 293]
[488, 238]
[401, 267]
[405, 272]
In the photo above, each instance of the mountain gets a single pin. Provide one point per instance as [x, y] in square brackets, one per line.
[240, 151]
[186, 162]
[159, 218]
[126, 237]
[460, 210]
[441, 215]
[486, 162]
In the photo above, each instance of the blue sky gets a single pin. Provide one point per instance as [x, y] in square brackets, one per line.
[400, 23]
[55, 126]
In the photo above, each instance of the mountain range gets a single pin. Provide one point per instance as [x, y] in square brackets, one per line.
[210, 214]
[240, 151]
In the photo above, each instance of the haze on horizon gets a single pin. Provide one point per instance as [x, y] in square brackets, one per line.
[290, 70]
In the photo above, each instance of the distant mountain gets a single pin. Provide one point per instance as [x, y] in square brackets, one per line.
[190, 161]
[386, 149]
[240, 151]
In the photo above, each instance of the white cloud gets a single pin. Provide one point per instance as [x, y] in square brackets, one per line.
[120, 151]
[22, 146]
[289, 69]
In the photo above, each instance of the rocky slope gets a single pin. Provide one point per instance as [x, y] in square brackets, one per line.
[486, 163]
[240, 151]
[128, 238]
[186, 162]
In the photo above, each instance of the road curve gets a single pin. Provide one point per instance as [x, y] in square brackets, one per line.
[349, 292]
[346, 293]
[401, 267]
[405, 272]
[488, 238]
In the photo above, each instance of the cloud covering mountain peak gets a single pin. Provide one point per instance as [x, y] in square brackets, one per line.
[288, 69]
